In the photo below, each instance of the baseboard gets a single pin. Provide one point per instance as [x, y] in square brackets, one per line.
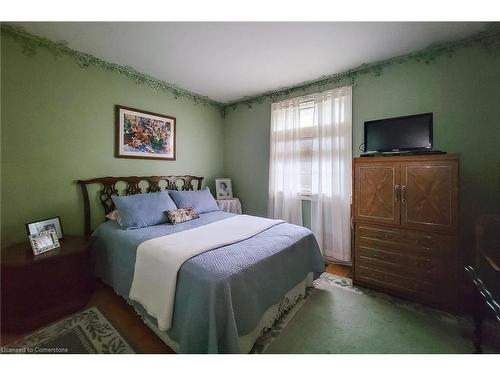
[334, 261]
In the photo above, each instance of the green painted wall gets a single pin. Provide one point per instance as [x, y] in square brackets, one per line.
[462, 91]
[58, 126]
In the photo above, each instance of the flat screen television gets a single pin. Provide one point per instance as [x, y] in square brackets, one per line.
[406, 133]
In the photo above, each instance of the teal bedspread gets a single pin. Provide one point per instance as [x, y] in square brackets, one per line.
[221, 294]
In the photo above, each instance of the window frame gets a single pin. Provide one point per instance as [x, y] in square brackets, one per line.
[307, 105]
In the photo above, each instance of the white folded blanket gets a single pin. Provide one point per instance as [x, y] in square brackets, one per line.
[159, 259]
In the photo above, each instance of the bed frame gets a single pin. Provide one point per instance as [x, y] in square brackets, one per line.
[132, 187]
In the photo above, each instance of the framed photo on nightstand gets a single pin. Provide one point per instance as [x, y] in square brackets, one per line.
[223, 188]
[44, 241]
[44, 225]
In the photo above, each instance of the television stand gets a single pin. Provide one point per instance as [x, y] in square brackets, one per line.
[404, 153]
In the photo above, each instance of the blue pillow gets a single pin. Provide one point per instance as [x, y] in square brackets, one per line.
[201, 200]
[143, 210]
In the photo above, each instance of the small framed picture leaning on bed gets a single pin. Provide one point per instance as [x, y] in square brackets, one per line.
[223, 188]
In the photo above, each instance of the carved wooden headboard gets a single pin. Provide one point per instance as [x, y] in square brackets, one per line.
[132, 187]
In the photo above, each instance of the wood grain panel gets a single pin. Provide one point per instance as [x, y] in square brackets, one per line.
[376, 195]
[398, 285]
[405, 266]
[396, 281]
[401, 241]
[429, 195]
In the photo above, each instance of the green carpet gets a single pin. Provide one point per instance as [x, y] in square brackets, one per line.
[339, 318]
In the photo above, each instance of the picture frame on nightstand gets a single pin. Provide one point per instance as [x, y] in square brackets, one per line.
[223, 188]
[44, 241]
[45, 225]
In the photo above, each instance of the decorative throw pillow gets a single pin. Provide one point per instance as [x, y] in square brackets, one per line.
[181, 215]
[143, 210]
[201, 200]
[114, 216]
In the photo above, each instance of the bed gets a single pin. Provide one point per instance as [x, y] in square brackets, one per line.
[224, 297]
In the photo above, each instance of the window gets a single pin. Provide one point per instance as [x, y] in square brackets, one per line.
[311, 158]
[306, 143]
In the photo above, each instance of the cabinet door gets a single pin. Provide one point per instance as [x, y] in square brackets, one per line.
[429, 195]
[377, 192]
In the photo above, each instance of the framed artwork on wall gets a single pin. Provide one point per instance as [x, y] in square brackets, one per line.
[223, 188]
[144, 135]
[45, 225]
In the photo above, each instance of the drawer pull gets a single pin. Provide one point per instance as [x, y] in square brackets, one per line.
[382, 236]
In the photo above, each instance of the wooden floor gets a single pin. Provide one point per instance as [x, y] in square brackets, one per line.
[123, 317]
[339, 270]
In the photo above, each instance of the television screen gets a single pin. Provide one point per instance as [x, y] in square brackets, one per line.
[399, 133]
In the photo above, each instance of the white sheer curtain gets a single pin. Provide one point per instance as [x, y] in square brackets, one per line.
[331, 173]
[284, 164]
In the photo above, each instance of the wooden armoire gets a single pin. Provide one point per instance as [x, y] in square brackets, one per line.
[405, 213]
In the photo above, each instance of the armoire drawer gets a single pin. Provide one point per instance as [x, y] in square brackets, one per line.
[417, 243]
[423, 290]
[373, 250]
[401, 264]
[395, 282]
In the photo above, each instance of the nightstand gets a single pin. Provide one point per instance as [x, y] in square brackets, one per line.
[232, 205]
[36, 290]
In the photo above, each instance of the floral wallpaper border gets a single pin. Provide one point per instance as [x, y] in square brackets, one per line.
[30, 43]
[488, 39]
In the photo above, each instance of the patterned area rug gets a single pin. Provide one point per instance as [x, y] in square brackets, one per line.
[337, 317]
[81, 333]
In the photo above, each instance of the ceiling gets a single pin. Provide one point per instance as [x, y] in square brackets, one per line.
[228, 61]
